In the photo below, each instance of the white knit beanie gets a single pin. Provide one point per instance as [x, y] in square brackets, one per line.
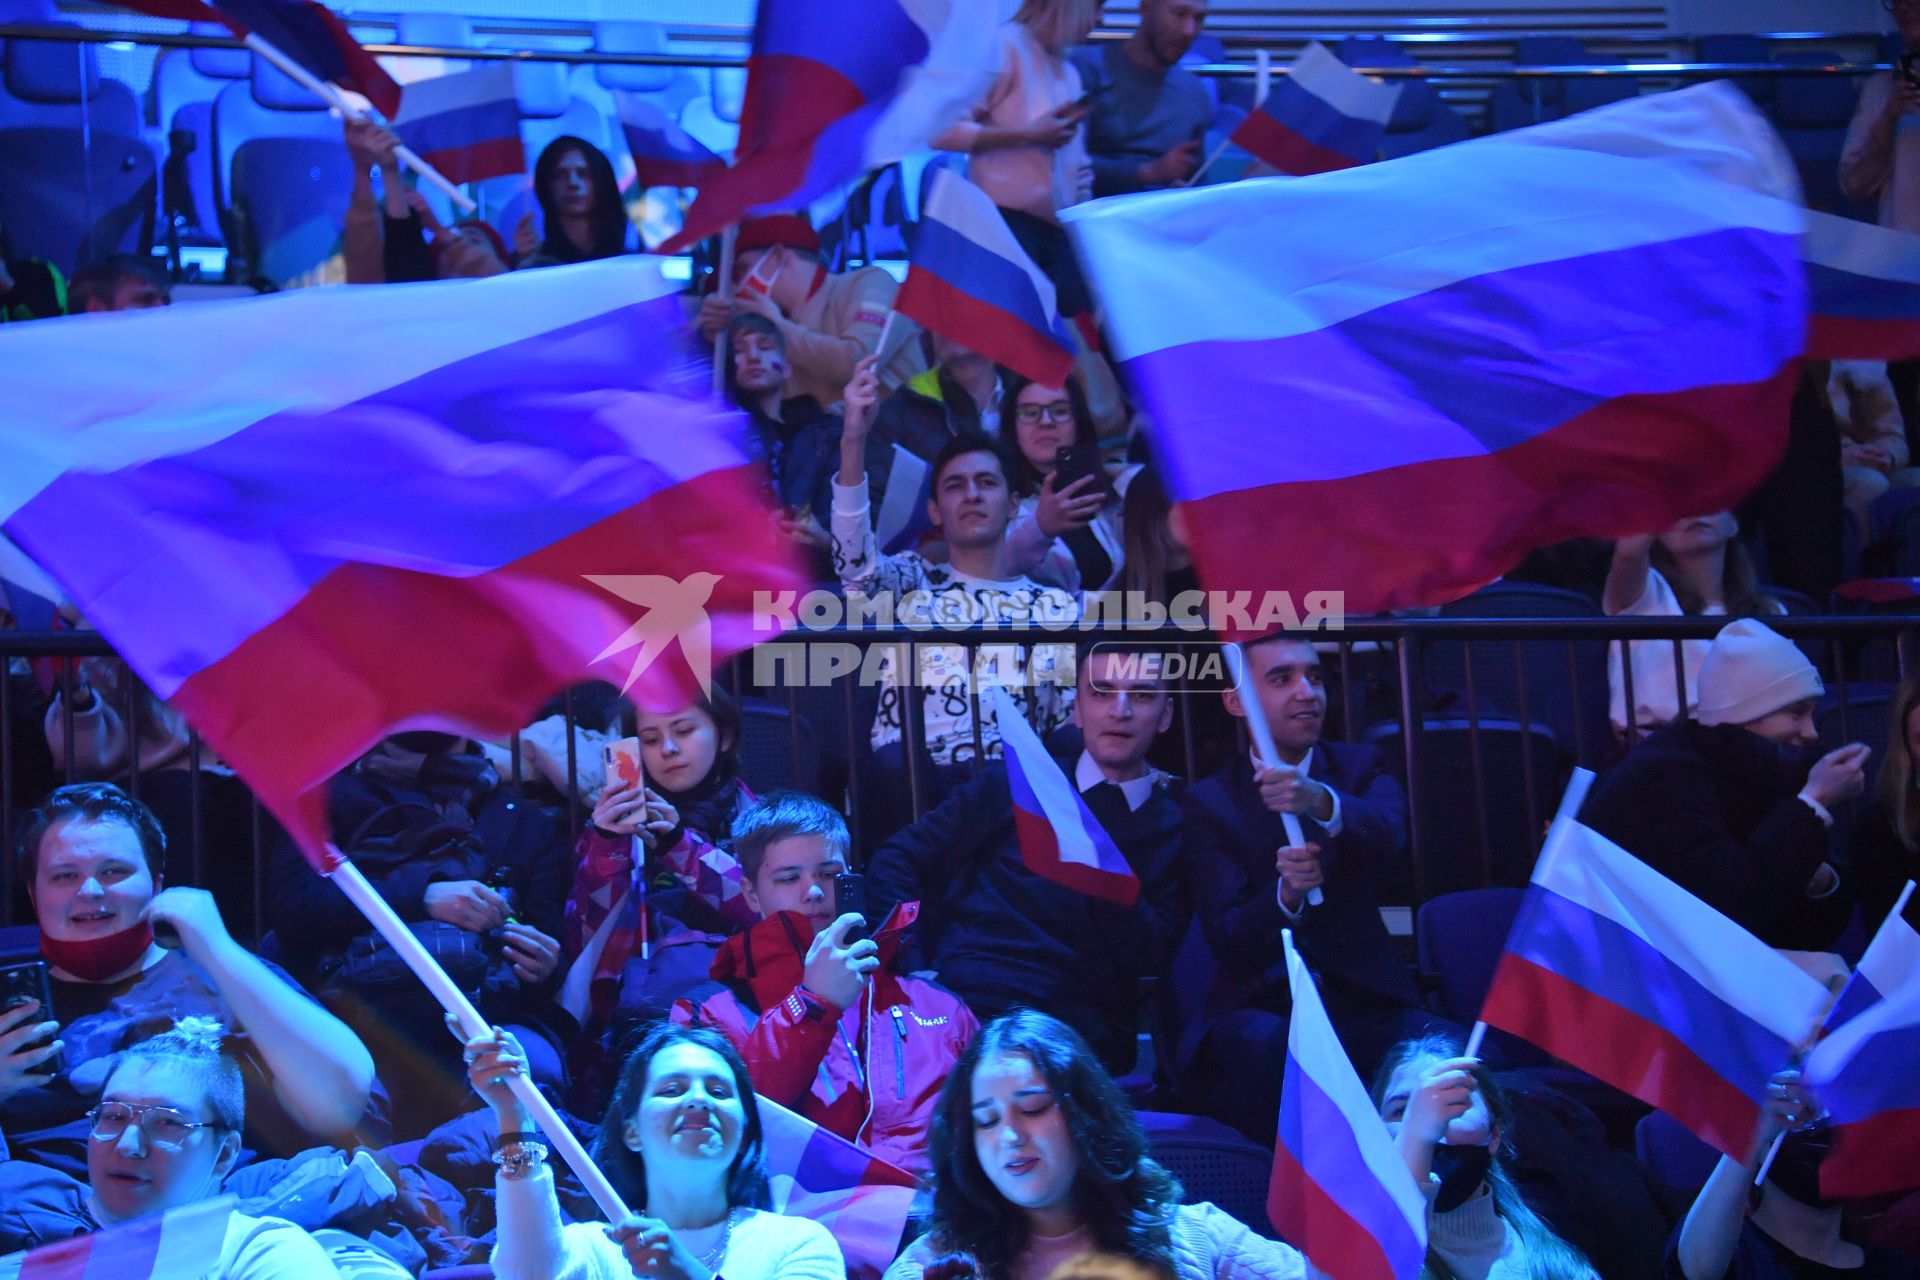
[1751, 671]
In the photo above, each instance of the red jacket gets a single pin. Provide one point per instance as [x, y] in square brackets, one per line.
[809, 1060]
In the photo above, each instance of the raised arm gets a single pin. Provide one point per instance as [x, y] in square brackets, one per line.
[1711, 1232]
[1627, 575]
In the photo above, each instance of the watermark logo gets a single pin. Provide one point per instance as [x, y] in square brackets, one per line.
[674, 609]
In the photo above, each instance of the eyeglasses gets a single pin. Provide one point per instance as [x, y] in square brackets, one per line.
[1032, 414]
[164, 1127]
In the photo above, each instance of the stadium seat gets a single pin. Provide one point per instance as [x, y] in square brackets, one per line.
[714, 118]
[1214, 1164]
[1741, 48]
[1565, 683]
[185, 84]
[1812, 113]
[285, 175]
[1679, 1162]
[1518, 103]
[81, 176]
[669, 88]
[1422, 119]
[442, 30]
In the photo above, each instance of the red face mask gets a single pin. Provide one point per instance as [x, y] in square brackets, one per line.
[97, 959]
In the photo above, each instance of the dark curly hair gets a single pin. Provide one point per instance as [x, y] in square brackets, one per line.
[1125, 1197]
[93, 802]
[627, 1169]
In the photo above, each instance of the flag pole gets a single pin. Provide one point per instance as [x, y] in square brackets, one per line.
[639, 856]
[1570, 801]
[725, 291]
[1270, 756]
[1262, 80]
[331, 95]
[389, 926]
[1899, 909]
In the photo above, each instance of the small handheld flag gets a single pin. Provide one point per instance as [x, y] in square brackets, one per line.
[1060, 839]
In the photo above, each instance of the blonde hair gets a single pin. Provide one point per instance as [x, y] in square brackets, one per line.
[1058, 23]
[198, 1044]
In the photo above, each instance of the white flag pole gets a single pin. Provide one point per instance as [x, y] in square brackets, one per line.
[389, 926]
[1262, 80]
[1263, 747]
[331, 95]
[725, 291]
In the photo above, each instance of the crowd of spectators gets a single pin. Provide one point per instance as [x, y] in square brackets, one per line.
[972, 1020]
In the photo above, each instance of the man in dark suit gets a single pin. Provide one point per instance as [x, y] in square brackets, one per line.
[1001, 936]
[1248, 882]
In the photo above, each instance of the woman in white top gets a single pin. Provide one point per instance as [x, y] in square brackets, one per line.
[681, 1142]
[1693, 569]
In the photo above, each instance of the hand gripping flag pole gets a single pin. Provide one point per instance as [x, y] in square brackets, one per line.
[1269, 756]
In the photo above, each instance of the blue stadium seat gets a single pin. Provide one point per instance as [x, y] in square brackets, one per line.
[1679, 1162]
[284, 173]
[1565, 684]
[1812, 113]
[80, 176]
[29, 11]
[185, 84]
[1518, 103]
[669, 88]
[714, 117]
[1422, 119]
[1741, 48]
[1215, 1164]
[445, 30]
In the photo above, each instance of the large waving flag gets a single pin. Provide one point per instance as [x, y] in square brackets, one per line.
[664, 154]
[863, 1200]
[1340, 1191]
[1060, 839]
[1323, 115]
[181, 1242]
[1867, 1070]
[1408, 375]
[1617, 970]
[466, 125]
[838, 87]
[304, 30]
[971, 281]
[312, 519]
[1865, 287]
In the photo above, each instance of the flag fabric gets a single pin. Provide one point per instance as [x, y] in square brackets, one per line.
[1340, 1191]
[863, 1200]
[1864, 287]
[1321, 116]
[180, 1242]
[664, 154]
[466, 125]
[1879, 590]
[972, 282]
[1864, 1071]
[838, 87]
[313, 519]
[305, 30]
[1060, 839]
[1409, 375]
[1620, 972]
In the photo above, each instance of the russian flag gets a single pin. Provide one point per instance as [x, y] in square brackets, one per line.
[313, 519]
[1060, 839]
[1322, 116]
[1411, 374]
[1340, 1191]
[305, 30]
[838, 87]
[1620, 972]
[971, 281]
[1864, 282]
[466, 125]
[1865, 1070]
[664, 154]
[813, 1173]
[180, 1242]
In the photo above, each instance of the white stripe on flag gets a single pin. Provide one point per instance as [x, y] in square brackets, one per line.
[1338, 85]
[1585, 867]
[1295, 257]
[955, 200]
[494, 82]
[1830, 1057]
[1059, 802]
[191, 1238]
[897, 504]
[1892, 959]
[112, 390]
[1862, 248]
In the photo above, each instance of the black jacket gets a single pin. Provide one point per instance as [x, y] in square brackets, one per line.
[1714, 808]
[1878, 866]
[1000, 936]
[1231, 840]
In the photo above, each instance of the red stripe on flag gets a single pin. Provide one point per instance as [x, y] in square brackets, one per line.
[1310, 1219]
[1873, 1157]
[1286, 150]
[372, 648]
[1036, 836]
[66, 1260]
[1431, 532]
[1849, 338]
[1620, 1047]
[477, 161]
[928, 300]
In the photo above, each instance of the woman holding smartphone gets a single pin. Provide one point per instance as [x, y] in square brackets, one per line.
[1067, 533]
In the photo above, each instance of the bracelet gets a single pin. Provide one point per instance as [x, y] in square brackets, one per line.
[512, 1139]
[519, 1160]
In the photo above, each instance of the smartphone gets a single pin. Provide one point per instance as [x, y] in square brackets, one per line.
[30, 980]
[1077, 461]
[622, 758]
[850, 894]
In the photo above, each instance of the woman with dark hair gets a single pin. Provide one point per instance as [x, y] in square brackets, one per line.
[681, 1142]
[1038, 1159]
[1884, 846]
[1068, 536]
[580, 207]
[1450, 1117]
